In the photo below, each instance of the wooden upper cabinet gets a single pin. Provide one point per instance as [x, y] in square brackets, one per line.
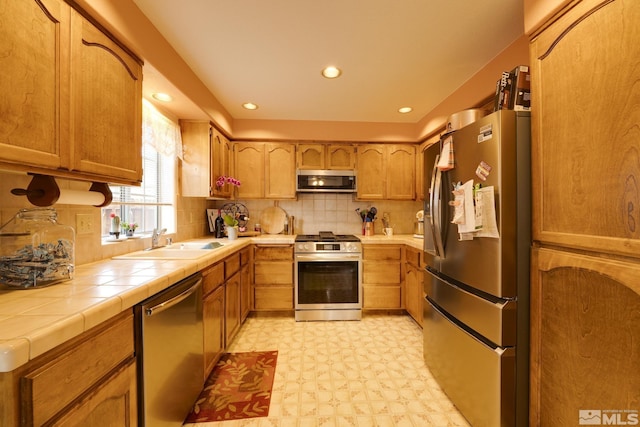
[280, 171]
[401, 172]
[196, 168]
[266, 170]
[311, 156]
[585, 148]
[220, 164]
[372, 172]
[73, 96]
[386, 172]
[340, 157]
[326, 156]
[106, 93]
[249, 169]
[35, 74]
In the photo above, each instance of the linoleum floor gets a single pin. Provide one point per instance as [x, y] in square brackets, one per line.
[368, 373]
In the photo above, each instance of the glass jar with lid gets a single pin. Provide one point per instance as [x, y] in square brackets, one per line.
[35, 250]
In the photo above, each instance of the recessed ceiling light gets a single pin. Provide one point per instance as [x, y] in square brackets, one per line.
[162, 97]
[250, 106]
[331, 72]
[405, 110]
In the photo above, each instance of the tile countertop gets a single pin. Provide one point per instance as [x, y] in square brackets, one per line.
[34, 321]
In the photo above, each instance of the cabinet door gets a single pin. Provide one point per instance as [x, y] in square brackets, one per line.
[372, 172]
[232, 308]
[413, 293]
[382, 276]
[113, 403]
[585, 336]
[245, 291]
[249, 169]
[197, 150]
[280, 171]
[340, 157]
[401, 177]
[311, 156]
[34, 110]
[213, 326]
[221, 164]
[106, 94]
[585, 128]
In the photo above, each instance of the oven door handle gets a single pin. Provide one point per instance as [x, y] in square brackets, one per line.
[328, 257]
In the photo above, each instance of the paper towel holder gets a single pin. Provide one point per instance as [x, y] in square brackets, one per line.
[43, 191]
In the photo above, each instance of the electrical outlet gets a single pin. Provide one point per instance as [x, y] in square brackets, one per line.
[84, 224]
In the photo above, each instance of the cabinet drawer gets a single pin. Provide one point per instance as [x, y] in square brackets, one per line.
[212, 277]
[381, 273]
[381, 297]
[273, 298]
[47, 390]
[413, 257]
[231, 265]
[245, 256]
[383, 252]
[273, 253]
[273, 273]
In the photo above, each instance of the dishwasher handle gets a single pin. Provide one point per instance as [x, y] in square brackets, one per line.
[159, 308]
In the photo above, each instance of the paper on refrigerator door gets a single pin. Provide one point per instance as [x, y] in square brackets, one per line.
[446, 161]
[485, 215]
[469, 225]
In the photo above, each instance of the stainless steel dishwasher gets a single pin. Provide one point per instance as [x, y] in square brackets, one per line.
[169, 351]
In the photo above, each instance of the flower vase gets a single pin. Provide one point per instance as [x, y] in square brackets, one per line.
[129, 233]
[232, 232]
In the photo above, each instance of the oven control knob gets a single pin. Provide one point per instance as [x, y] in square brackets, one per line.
[303, 247]
[351, 247]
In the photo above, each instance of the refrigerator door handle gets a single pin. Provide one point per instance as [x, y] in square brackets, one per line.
[430, 233]
[436, 209]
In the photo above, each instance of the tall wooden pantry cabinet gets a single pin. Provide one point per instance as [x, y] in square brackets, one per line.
[585, 290]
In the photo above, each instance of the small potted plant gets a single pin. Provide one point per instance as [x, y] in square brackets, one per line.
[128, 228]
[114, 226]
[231, 226]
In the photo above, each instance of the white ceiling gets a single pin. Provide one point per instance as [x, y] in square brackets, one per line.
[393, 53]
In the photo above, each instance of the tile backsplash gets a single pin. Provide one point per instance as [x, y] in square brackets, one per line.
[313, 212]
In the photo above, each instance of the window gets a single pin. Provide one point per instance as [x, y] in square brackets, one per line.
[152, 205]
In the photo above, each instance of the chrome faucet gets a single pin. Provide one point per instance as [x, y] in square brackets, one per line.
[155, 238]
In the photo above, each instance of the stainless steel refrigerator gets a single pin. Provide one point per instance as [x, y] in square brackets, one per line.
[476, 313]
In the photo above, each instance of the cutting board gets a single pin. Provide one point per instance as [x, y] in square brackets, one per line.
[272, 220]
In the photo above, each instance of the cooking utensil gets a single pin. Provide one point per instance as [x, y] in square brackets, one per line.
[385, 220]
[272, 220]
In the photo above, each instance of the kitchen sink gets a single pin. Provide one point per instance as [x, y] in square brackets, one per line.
[193, 245]
[189, 250]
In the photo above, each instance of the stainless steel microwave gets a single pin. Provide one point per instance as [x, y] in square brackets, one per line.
[326, 181]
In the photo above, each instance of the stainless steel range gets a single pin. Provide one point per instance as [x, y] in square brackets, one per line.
[328, 277]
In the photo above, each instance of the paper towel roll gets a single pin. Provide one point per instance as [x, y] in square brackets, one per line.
[77, 197]
[44, 191]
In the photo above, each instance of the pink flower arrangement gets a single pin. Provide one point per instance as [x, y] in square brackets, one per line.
[222, 180]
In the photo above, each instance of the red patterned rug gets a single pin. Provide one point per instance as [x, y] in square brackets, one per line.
[238, 387]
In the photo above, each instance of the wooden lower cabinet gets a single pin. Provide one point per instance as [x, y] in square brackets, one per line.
[585, 336]
[113, 403]
[246, 264]
[382, 276]
[221, 306]
[232, 320]
[273, 277]
[213, 315]
[414, 284]
[88, 381]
